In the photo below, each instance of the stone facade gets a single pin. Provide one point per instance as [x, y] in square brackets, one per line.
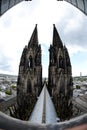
[60, 77]
[29, 83]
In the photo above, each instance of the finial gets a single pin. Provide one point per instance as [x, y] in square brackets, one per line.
[53, 25]
[36, 25]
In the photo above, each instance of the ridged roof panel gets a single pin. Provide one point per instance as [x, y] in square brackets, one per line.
[7, 4]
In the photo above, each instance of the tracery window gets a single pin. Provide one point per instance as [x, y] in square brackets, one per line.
[30, 62]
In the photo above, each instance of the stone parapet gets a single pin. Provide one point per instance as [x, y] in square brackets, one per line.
[9, 123]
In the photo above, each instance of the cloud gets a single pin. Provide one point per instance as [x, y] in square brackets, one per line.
[79, 63]
[16, 27]
[73, 29]
[4, 64]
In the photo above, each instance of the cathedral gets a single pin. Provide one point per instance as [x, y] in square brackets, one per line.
[29, 83]
[60, 83]
[30, 68]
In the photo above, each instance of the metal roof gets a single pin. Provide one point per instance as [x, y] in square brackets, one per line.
[7, 4]
[80, 4]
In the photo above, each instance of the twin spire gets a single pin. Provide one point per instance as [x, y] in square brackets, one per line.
[34, 37]
[56, 38]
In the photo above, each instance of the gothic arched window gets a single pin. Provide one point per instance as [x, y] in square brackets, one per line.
[38, 59]
[30, 62]
[52, 58]
[61, 62]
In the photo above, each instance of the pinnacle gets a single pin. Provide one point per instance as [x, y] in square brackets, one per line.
[34, 37]
[56, 38]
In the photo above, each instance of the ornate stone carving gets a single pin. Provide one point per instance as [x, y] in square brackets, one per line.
[29, 82]
[61, 73]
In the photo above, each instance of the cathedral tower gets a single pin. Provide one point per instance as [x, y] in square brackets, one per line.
[60, 77]
[29, 83]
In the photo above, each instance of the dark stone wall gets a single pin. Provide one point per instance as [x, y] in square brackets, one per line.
[4, 105]
[29, 84]
[60, 83]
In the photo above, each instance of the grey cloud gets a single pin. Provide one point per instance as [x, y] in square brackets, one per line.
[76, 36]
[4, 67]
[4, 63]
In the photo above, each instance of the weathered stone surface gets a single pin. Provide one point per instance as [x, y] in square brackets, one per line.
[4, 106]
[60, 77]
[29, 83]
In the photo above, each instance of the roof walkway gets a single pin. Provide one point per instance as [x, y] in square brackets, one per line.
[44, 111]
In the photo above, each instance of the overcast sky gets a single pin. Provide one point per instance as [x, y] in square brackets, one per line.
[17, 25]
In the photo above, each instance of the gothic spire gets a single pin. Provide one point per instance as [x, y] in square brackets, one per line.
[23, 57]
[34, 37]
[56, 38]
[68, 63]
